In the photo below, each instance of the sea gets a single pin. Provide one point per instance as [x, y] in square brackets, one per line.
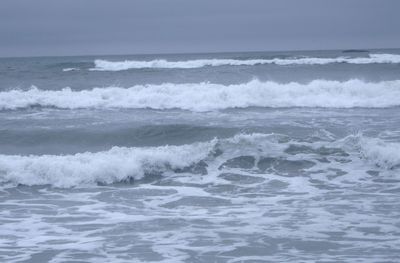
[220, 157]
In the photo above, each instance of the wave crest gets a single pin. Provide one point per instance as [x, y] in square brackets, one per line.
[105, 65]
[122, 164]
[208, 96]
[115, 165]
[382, 154]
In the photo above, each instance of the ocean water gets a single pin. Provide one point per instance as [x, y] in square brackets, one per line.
[230, 157]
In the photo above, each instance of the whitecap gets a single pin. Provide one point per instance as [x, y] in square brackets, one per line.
[70, 69]
[105, 65]
[208, 97]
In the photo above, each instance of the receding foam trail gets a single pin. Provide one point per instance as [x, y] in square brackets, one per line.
[104, 65]
[208, 97]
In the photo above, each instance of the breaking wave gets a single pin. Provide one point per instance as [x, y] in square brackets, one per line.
[381, 153]
[208, 96]
[104, 65]
[121, 164]
[117, 164]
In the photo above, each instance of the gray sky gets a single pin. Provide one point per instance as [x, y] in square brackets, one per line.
[71, 27]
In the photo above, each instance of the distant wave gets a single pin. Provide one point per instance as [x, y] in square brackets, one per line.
[122, 164]
[70, 69]
[208, 97]
[104, 65]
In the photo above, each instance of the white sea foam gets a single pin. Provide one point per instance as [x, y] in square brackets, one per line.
[383, 154]
[118, 163]
[121, 163]
[115, 165]
[208, 96]
[70, 69]
[168, 221]
[104, 65]
[376, 151]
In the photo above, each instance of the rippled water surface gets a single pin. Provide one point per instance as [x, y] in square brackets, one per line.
[238, 162]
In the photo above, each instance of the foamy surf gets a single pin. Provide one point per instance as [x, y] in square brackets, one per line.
[83, 179]
[117, 164]
[381, 153]
[105, 65]
[208, 97]
[122, 164]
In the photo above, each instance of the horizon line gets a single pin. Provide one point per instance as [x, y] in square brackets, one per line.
[199, 53]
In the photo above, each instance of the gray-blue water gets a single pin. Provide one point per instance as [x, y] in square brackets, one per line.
[231, 157]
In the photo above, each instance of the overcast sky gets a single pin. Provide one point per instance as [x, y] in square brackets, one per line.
[73, 27]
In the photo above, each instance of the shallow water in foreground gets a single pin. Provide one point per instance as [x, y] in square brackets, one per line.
[273, 191]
